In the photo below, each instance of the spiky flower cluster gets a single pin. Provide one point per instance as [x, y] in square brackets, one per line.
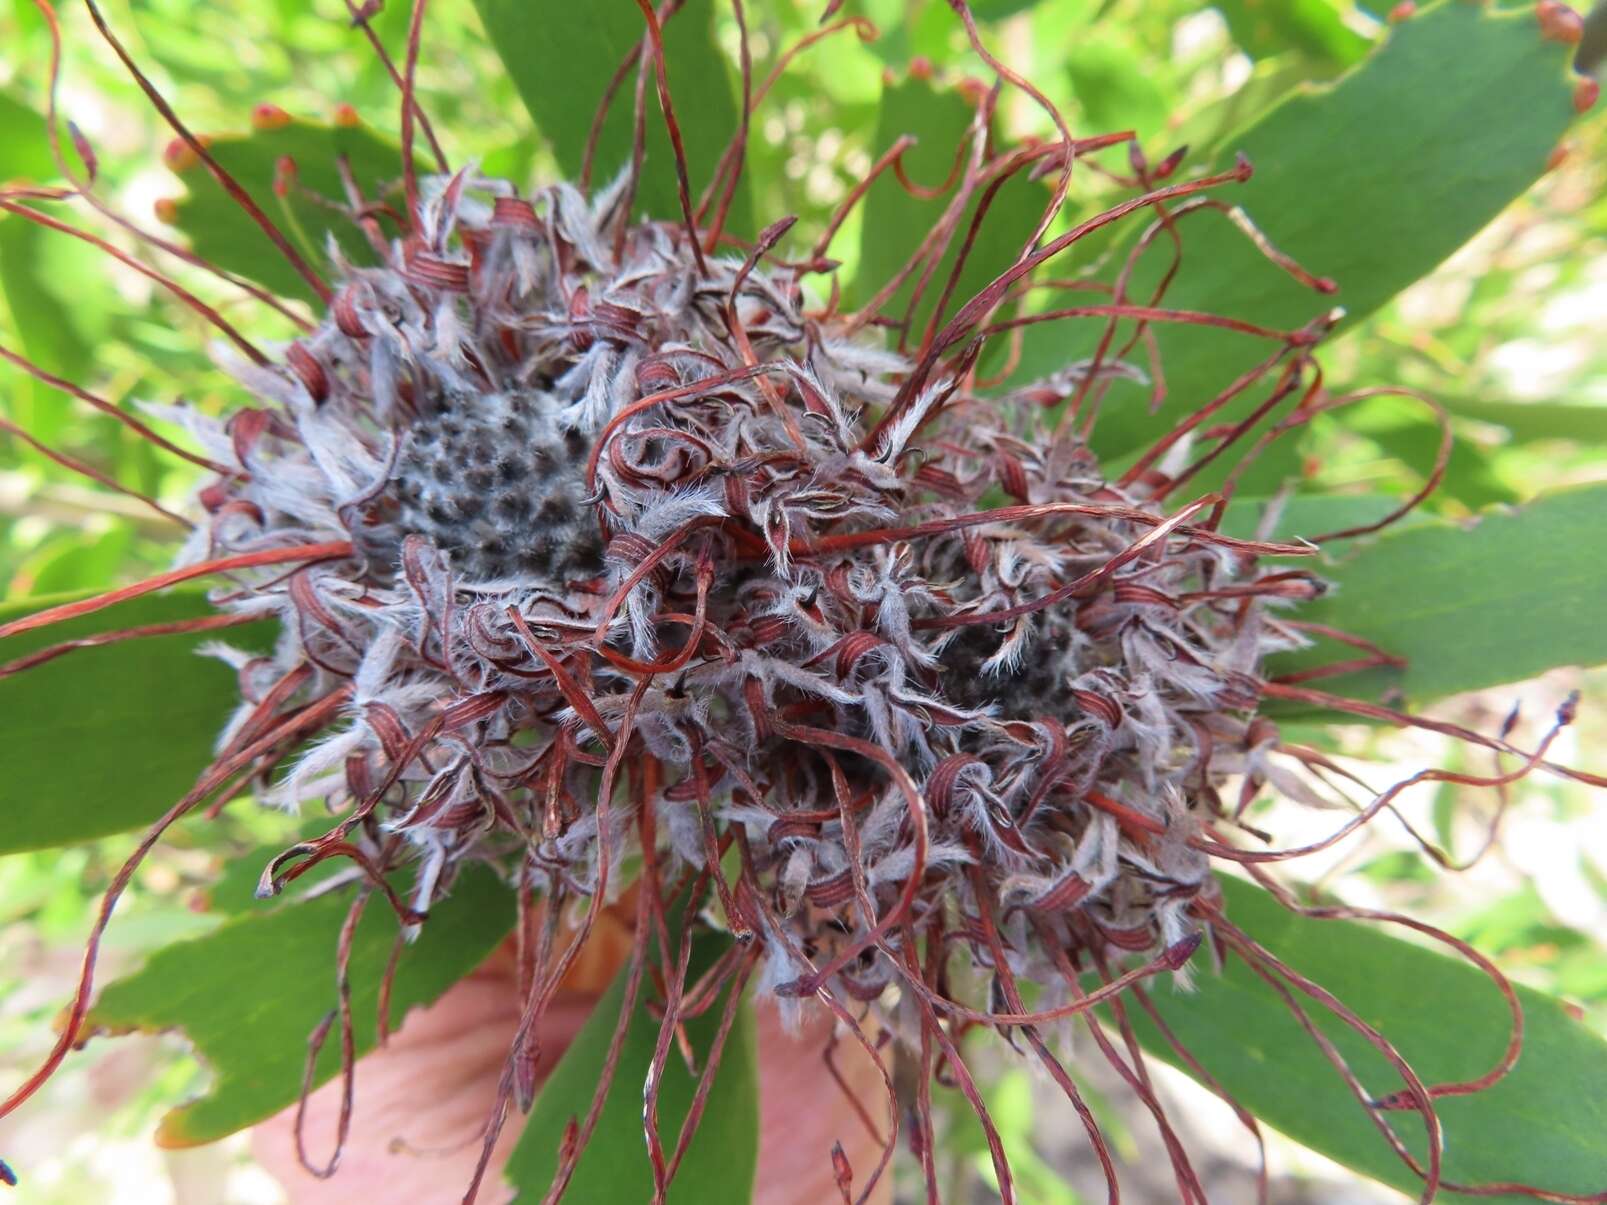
[599, 499]
[616, 564]
[610, 562]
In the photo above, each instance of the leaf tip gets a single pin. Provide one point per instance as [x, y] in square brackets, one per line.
[172, 1134]
[180, 156]
[1559, 23]
[269, 117]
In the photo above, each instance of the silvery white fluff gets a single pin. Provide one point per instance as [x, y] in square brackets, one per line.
[729, 612]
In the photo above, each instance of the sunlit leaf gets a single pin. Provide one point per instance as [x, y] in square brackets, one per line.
[561, 56]
[721, 1160]
[39, 326]
[106, 739]
[303, 158]
[1529, 421]
[1318, 28]
[248, 994]
[938, 116]
[1207, 128]
[25, 150]
[1505, 597]
[1367, 181]
[1541, 1125]
[1113, 87]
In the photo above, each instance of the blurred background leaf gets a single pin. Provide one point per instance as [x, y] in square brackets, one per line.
[561, 56]
[720, 1162]
[249, 994]
[106, 739]
[1503, 598]
[1444, 1017]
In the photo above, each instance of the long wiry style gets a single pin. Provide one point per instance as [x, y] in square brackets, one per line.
[594, 538]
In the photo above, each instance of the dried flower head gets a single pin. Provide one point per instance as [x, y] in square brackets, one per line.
[593, 546]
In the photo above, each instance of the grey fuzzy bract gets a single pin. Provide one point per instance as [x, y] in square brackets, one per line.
[536, 329]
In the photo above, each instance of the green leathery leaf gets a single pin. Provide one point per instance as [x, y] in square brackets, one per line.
[723, 1156]
[106, 739]
[37, 319]
[25, 150]
[1305, 515]
[561, 56]
[1112, 86]
[1371, 180]
[1317, 28]
[1540, 1125]
[1526, 422]
[998, 10]
[895, 223]
[1501, 598]
[248, 994]
[1205, 130]
[42, 325]
[1470, 475]
[225, 235]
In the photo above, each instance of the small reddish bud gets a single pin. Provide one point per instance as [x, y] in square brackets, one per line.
[269, 117]
[570, 1141]
[1171, 163]
[346, 116]
[842, 1170]
[1586, 92]
[180, 156]
[1568, 712]
[284, 176]
[86, 153]
[972, 89]
[1404, 11]
[167, 210]
[921, 67]
[1558, 156]
[1242, 167]
[1559, 23]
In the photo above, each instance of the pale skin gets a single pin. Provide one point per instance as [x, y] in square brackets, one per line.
[421, 1102]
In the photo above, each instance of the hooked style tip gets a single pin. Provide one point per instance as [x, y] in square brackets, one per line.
[1177, 955]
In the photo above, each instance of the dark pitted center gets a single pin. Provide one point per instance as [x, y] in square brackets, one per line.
[498, 484]
[1034, 685]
